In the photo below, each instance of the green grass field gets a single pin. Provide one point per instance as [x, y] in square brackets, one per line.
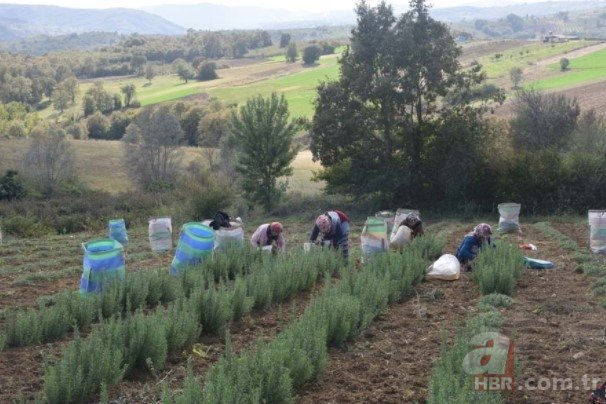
[582, 70]
[236, 84]
[525, 55]
[299, 88]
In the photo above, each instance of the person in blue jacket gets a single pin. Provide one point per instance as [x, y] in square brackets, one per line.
[469, 248]
[334, 226]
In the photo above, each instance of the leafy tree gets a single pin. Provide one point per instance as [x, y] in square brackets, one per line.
[185, 71]
[381, 116]
[263, 137]
[291, 52]
[150, 72]
[49, 161]
[72, 86]
[207, 71]
[98, 126]
[88, 105]
[61, 98]
[11, 186]
[152, 152]
[284, 40]
[214, 125]
[311, 54]
[516, 76]
[590, 135]
[119, 121]
[129, 94]
[564, 63]
[515, 22]
[137, 63]
[189, 124]
[543, 121]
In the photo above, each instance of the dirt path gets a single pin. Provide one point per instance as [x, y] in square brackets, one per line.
[391, 362]
[559, 327]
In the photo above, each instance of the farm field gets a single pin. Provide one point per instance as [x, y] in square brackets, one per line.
[235, 84]
[554, 317]
[101, 166]
[582, 70]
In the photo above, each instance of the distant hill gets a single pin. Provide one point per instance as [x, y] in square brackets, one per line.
[210, 16]
[41, 44]
[23, 21]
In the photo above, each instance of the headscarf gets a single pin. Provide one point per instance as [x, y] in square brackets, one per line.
[411, 221]
[482, 230]
[276, 228]
[323, 223]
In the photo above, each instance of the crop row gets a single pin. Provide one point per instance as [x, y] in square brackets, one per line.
[67, 311]
[117, 346]
[273, 372]
[496, 271]
[591, 264]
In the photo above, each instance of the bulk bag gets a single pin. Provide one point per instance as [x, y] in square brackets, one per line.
[374, 236]
[103, 262]
[401, 215]
[447, 268]
[597, 231]
[389, 218]
[509, 220]
[117, 231]
[196, 242]
[227, 237]
[160, 234]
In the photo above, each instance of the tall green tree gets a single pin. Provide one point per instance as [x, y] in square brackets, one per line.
[291, 52]
[129, 94]
[543, 121]
[152, 152]
[379, 117]
[263, 137]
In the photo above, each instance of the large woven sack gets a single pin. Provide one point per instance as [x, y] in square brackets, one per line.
[509, 217]
[401, 238]
[447, 268]
[597, 231]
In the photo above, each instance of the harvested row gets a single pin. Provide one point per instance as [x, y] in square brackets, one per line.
[274, 371]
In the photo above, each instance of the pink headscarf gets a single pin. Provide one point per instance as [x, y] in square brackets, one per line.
[323, 223]
[482, 230]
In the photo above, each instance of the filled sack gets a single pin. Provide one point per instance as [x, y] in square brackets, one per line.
[509, 217]
[401, 238]
[597, 231]
[374, 236]
[447, 268]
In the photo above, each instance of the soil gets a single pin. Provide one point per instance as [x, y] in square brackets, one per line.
[557, 325]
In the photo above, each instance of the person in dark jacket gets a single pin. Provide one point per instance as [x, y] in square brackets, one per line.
[472, 243]
[334, 227]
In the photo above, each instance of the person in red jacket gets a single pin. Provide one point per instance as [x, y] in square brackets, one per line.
[334, 227]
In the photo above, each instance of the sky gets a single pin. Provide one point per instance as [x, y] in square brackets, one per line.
[295, 5]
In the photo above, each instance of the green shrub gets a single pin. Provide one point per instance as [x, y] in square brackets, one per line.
[241, 304]
[564, 241]
[2, 342]
[429, 246]
[498, 269]
[84, 366]
[183, 327]
[192, 390]
[23, 328]
[24, 226]
[215, 308]
[259, 288]
[496, 300]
